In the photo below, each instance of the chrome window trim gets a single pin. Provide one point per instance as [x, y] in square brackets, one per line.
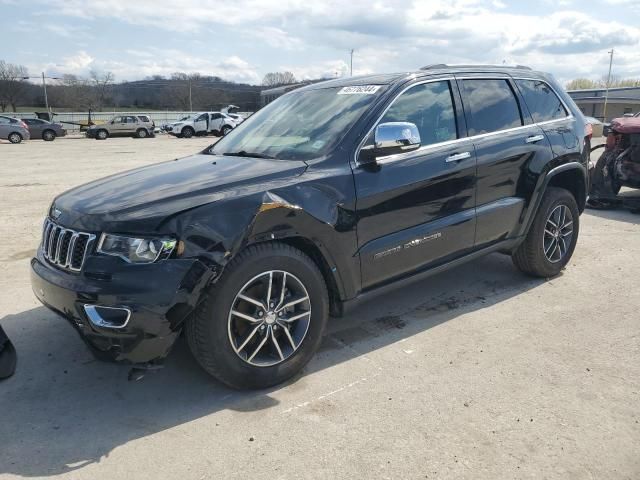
[375, 124]
[407, 155]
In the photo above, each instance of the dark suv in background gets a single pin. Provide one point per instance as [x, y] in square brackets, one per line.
[326, 197]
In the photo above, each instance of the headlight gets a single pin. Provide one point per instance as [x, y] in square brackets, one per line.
[136, 250]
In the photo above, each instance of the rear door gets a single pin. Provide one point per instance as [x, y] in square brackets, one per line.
[35, 127]
[4, 127]
[130, 125]
[508, 147]
[216, 122]
[417, 208]
[547, 110]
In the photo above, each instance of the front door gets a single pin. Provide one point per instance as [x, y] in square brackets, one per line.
[200, 124]
[417, 208]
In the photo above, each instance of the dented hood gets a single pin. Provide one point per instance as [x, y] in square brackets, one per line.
[141, 199]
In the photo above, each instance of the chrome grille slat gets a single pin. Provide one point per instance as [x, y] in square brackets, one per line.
[64, 247]
[72, 243]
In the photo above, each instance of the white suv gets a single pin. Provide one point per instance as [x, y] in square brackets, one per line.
[202, 123]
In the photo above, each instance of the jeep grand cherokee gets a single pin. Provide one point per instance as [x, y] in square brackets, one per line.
[324, 198]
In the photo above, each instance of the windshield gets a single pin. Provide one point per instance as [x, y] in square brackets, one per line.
[298, 126]
[188, 117]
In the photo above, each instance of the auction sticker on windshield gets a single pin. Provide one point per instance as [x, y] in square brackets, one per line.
[359, 90]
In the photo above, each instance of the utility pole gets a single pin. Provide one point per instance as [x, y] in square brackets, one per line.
[190, 102]
[606, 94]
[44, 86]
[351, 63]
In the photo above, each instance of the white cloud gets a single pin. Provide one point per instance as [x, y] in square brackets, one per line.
[313, 38]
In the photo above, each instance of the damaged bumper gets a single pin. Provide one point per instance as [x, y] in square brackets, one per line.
[132, 315]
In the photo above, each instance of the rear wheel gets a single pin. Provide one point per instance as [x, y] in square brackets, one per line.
[225, 130]
[188, 132]
[48, 135]
[552, 238]
[141, 133]
[15, 137]
[263, 320]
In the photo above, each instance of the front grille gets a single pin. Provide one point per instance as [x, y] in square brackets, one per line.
[65, 248]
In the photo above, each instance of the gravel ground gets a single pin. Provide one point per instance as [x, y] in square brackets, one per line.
[479, 373]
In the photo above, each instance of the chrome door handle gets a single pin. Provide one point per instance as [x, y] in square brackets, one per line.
[534, 138]
[458, 156]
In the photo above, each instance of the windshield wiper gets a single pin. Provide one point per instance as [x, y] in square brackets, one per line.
[244, 153]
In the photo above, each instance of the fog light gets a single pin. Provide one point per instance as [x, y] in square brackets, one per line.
[107, 317]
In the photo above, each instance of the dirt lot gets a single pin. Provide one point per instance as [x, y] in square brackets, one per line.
[479, 373]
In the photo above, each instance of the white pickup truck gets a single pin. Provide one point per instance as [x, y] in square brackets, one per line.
[202, 123]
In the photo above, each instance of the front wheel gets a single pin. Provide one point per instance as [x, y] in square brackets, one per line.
[188, 132]
[263, 320]
[552, 238]
[102, 135]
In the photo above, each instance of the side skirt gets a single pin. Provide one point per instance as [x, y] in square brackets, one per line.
[368, 295]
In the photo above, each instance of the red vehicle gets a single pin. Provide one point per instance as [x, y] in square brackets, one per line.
[617, 167]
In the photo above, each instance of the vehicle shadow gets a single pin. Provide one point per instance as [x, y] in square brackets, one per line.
[63, 410]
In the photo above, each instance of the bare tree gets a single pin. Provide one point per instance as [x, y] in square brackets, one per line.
[616, 82]
[12, 84]
[274, 79]
[101, 82]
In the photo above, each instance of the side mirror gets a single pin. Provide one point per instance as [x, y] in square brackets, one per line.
[391, 138]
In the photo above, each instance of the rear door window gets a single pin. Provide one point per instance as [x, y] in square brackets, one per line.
[490, 106]
[430, 107]
[542, 101]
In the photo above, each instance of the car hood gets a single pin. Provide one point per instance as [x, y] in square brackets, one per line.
[140, 200]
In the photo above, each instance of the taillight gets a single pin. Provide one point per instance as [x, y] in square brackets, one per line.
[588, 130]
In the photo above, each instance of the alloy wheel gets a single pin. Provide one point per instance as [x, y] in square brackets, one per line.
[269, 318]
[558, 233]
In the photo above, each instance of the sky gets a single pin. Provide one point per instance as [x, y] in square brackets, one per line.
[241, 40]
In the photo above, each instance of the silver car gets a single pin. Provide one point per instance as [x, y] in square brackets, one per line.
[137, 126]
[13, 129]
[45, 130]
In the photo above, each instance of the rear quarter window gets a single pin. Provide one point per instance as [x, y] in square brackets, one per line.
[542, 101]
[490, 106]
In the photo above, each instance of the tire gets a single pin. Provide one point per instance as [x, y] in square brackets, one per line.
[14, 137]
[214, 334]
[544, 253]
[225, 130]
[141, 133]
[48, 135]
[102, 135]
[188, 132]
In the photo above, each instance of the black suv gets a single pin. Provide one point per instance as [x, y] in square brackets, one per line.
[324, 198]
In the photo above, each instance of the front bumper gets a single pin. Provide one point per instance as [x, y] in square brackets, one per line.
[90, 133]
[159, 297]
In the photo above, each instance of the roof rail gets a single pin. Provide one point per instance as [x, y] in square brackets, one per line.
[436, 66]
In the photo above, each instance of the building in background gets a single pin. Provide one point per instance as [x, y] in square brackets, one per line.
[621, 101]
